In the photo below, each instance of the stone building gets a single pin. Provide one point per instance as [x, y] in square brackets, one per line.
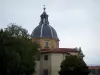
[51, 55]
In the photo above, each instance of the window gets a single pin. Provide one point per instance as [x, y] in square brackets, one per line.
[46, 44]
[45, 72]
[45, 57]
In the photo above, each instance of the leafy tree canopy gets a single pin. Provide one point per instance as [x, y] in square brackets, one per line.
[73, 65]
[17, 31]
[17, 52]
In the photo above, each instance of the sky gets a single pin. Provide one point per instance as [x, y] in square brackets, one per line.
[77, 22]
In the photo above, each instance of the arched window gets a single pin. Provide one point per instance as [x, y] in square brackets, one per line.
[46, 44]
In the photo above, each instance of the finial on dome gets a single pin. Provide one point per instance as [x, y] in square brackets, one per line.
[44, 7]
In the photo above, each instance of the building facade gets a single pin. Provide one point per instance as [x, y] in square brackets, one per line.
[51, 55]
[95, 70]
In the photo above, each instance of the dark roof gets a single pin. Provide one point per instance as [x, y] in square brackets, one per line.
[58, 50]
[94, 67]
[44, 29]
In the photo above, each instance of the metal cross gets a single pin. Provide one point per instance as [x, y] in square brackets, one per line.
[44, 7]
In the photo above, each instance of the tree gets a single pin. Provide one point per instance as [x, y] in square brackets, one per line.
[73, 65]
[17, 31]
[17, 52]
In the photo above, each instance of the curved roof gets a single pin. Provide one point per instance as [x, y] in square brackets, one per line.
[44, 29]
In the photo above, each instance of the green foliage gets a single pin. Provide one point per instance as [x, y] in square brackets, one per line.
[73, 65]
[17, 31]
[17, 52]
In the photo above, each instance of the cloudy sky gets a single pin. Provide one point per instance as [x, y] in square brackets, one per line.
[77, 22]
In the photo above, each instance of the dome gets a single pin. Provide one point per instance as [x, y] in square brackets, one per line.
[44, 30]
